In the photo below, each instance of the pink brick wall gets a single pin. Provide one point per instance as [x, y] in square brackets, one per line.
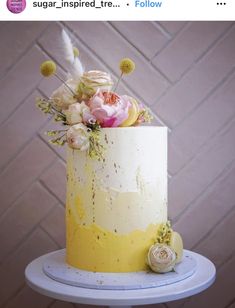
[186, 73]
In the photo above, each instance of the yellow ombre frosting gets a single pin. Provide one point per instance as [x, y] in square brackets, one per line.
[114, 206]
[95, 249]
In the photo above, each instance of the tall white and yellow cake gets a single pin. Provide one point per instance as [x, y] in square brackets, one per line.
[115, 205]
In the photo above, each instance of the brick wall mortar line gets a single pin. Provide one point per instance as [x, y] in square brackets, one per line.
[200, 198]
[203, 55]
[190, 68]
[43, 94]
[212, 92]
[230, 303]
[133, 47]
[211, 47]
[220, 131]
[51, 238]
[2, 217]
[113, 27]
[158, 119]
[220, 267]
[30, 185]
[161, 120]
[25, 238]
[17, 107]
[19, 290]
[22, 55]
[162, 29]
[214, 227]
[203, 193]
[47, 188]
[170, 41]
[21, 148]
[201, 147]
[11, 67]
[52, 147]
[30, 236]
[52, 303]
[13, 295]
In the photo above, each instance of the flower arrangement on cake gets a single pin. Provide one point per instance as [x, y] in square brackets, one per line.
[86, 103]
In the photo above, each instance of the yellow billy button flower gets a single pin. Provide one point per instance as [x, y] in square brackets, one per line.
[127, 66]
[48, 68]
[75, 52]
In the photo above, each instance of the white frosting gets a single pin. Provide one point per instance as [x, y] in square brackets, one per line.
[131, 181]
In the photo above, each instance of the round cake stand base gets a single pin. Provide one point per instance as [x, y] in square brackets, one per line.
[56, 268]
[202, 278]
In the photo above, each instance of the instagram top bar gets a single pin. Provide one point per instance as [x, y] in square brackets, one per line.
[117, 10]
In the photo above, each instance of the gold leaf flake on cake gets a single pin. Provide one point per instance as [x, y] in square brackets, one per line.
[140, 182]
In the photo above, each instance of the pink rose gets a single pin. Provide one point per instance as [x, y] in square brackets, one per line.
[109, 109]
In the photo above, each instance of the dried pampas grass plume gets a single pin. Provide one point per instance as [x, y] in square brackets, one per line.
[75, 66]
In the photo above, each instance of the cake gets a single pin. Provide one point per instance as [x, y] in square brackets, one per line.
[116, 204]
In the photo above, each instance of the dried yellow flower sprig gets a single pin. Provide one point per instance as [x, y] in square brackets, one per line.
[164, 233]
[48, 68]
[60, 140]
[127, 66]
[46, 106]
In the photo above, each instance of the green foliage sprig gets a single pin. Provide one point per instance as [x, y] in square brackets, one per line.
[60, 135]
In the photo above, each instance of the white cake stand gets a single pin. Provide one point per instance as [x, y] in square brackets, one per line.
[198, 279]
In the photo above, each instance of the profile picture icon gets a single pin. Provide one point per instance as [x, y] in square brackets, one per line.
[16, 6]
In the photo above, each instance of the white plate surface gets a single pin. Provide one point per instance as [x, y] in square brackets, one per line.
[56, 268]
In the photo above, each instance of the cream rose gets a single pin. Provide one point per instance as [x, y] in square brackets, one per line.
[63, 97]
[78, 137]
[78, 113]
[92, 81]
[161, 258]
